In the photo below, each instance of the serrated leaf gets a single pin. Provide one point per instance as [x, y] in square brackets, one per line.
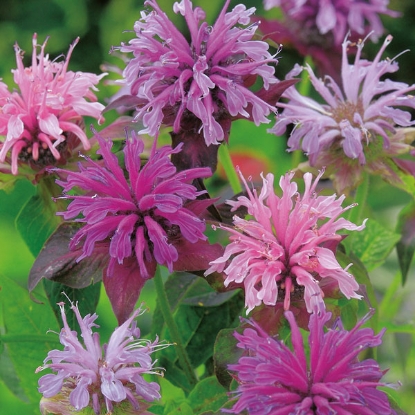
[58, 263]
[208, 395]
[406, 245]
[27, 324]
[373, 245]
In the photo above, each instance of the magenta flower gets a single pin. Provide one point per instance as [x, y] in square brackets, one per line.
[42, 121]
[101, 377]
[145, 217]
[286, 249]
[357, 125]
[206, 79]
[277, 380]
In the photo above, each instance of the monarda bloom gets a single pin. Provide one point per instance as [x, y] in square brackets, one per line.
[43, 120]
[287, 248]
[145, 216]
[276, 379]
[198, 84]
[357, 127]
[87, 375]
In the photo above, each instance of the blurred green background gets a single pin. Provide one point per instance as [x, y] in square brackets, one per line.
[103, 24]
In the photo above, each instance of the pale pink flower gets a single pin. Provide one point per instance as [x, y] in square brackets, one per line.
[206, 80]
[42, 121]
[358, 123]
[287, 246]
[100, 377]
[276, 379]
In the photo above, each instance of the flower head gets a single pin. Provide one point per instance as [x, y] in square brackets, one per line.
[275, 379]
[101, 377]
[42, 121]
[335, 17]
[144, 216]
[287, 246]
[206, 79]
[357, 124]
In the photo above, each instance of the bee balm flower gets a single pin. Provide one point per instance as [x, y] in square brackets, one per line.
[145, 216]
[96, 377]
[275, 379]
[283, 250]
[205, 80]
[357, 126]
[42, 121]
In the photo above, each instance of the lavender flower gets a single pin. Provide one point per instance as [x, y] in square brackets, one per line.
[277, 380]
[145, 217]
[101, 378]
[206, 79]
[357, 126]
[335, 17]
[286, 249]
[43, 121]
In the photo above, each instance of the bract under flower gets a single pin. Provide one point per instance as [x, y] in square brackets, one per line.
[287, 246]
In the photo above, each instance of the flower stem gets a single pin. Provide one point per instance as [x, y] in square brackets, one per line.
[356, 213]
[226, 161]
[164, 305]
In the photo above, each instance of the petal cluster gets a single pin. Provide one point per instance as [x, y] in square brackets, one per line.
[336, 17]
[206, 78]
[42, 121]
[286, 249]
[275, 379]
[143, 213]
[99, 377]
[358, 120]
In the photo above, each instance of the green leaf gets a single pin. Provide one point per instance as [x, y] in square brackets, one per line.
[183, 409]
[406, 245]
[208, 395]
[37, 219]
[26, 334]
[373, 244]
[198, 324]
[87, 299]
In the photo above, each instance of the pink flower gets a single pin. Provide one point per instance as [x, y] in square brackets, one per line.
[43, 121]
[286, 249]
[335, 17]
[207, 79]
[273, 379]
[145, 216]
[357, 125]
[101, 377]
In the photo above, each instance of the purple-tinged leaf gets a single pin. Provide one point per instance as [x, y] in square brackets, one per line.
[58, 263]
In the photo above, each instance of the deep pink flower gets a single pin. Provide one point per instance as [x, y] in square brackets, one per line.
[42, 121]
[357, 125]
[287, 246]
[206, 79]
[334, 17]
[146, 216]
[275, 379]
[99, 377]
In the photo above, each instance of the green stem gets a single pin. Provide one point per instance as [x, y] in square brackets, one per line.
[226, 161]
[356, 213]
[164, 305]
